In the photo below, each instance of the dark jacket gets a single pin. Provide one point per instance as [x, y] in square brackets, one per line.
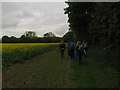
[62, 46]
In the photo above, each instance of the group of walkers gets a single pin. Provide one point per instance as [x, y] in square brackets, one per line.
[75, 50]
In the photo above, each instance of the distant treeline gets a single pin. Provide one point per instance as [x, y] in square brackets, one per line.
[23, 39]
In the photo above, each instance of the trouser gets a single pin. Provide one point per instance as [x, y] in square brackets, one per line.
[85, 51]
[80, 57]
[62, 53]
[72, 54]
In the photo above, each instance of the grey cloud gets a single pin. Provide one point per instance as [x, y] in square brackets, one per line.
[9, 25]
[61, 29]
[9, 21]
[40, 17]
[10, 7]
[28, 14]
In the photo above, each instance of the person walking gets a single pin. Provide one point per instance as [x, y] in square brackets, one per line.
[76, 49]
[85, 45]
[80, 50]
[62, 48]
[77, 46]
[71, 48]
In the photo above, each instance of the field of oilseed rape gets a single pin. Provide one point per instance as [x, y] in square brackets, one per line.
[18, 52]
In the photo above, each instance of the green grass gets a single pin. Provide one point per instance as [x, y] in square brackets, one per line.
[93, 72]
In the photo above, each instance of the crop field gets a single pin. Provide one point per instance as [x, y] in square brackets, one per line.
[18, 52]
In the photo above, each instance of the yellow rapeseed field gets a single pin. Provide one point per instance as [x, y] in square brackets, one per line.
[11, 46]
[14, 52]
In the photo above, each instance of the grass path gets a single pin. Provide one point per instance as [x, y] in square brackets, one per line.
[93, 73]
[50, 71]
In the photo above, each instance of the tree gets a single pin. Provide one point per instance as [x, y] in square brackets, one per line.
[5, 39]
[79, 17]
[96, 22]
[68, 36]
[49, 34]
[30, 34]
[104, 28]
[46, 35]
[13, 39]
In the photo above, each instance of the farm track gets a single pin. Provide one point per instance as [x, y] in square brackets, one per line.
[50, 71]
[47, 70]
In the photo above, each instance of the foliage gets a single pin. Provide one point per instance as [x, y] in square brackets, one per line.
[31, 37]
[13, 53]
[103, 28]
[79, 17]
[24, 39]
[50, 34]
[68, 36]
[30, 34]
[96, 22]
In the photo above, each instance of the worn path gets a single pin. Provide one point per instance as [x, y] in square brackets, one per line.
[50, 71]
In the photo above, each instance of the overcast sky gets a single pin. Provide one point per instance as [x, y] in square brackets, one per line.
[40, 17]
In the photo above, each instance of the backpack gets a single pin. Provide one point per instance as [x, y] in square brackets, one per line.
[71, 45]
[75, 54]
[81, 50]
[86, 45]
